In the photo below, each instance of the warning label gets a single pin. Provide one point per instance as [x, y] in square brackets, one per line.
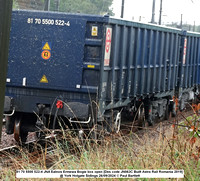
[46, 54]
[44, 79]
[46, 46]
[94, 31]
[108, 46]
[46, 50]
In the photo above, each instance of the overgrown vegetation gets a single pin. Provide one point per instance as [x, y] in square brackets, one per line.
[174, 146]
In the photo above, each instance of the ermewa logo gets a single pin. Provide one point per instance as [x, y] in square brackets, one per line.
[108, 40]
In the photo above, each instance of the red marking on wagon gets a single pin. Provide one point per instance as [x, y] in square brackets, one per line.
[46, 54]
[184, 50]
[108, 46]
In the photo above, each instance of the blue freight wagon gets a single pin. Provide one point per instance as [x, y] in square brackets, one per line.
[92, 70]
[189, 68]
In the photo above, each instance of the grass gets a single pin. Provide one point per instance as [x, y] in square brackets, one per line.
[172, 147]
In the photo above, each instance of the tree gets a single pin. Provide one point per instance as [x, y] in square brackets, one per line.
[99, 7]
[28, 4]
[86, 6]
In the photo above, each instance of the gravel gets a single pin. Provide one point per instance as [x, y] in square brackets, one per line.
[8, 140]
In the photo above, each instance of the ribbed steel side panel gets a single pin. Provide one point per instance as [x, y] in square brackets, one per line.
[143, 62]
[198, 62]
[191, 66]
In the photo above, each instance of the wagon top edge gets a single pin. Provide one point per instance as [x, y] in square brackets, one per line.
[109, 20]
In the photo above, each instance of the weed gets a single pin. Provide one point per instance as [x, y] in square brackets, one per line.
[172, 147]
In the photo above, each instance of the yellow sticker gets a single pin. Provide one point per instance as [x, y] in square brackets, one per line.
[91, 66]
[46, 46]
[94, 31]
[44, 79]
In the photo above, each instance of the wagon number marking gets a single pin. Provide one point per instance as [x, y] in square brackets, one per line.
[57, 22]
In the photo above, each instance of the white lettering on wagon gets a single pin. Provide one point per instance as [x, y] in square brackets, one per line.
[39, 21]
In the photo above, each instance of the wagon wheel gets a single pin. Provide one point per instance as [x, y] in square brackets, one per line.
[40, 134]
[141, 117]
[17, 130]
[174, 111]
[113, 121]
[167, 112]
[19, 134]
[117, 122]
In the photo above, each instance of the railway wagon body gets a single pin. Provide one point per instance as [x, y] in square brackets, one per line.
[143, 68]
[89, 70]
[189, 68]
